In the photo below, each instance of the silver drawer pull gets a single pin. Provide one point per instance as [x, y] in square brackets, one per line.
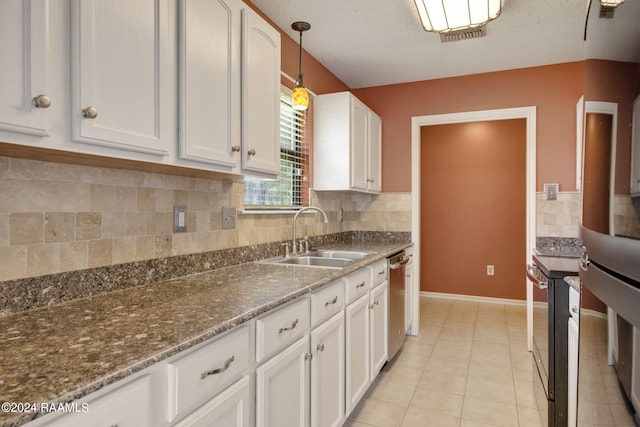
[333, 301]
[361, 285]
[219, 370]
[381, 272]
[288, 328]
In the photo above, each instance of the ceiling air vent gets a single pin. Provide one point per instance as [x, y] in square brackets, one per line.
[455, 36]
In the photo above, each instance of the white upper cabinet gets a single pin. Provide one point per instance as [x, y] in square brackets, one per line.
[347, 144]
[260, 95]
[24, 45]
[635, 149]
[120, 74]
[209, 91]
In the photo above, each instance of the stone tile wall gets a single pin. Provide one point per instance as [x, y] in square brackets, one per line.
[558, 218]
[59, 217]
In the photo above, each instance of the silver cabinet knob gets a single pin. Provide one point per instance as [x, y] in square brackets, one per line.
[252, 152]
[235, 148]
[89, 113]
[320, 347]
[42, 101]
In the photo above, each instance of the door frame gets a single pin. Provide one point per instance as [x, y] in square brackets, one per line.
[527, 113]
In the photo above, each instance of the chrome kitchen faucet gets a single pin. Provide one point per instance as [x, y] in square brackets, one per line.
[295, 218]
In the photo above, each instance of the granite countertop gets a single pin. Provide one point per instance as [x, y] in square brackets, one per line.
[66, 351]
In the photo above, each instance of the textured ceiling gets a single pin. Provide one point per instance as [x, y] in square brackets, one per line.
[377, 42]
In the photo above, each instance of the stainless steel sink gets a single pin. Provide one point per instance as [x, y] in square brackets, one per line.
[316, 261]
[327, 253]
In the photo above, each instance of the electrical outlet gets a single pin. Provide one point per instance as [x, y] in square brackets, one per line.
[490, 270]
[228, 217]
[179, 219]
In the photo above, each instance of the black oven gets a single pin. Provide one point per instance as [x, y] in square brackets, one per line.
[550, 330]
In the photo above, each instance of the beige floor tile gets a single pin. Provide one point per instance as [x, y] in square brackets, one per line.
[389, 391]
[411, 360]
[352, 423]
[446, 382]
[437, 401]
[490, 412]
[403, 375]
[525, 393]
[473, 423]
[420, 418]
[529, 417]
[493, 389]
[378, 413]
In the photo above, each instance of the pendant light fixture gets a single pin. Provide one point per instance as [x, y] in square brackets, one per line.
[449, 17]
[299, 95]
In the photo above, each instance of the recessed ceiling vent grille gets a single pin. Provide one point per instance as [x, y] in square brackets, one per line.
[456, 36]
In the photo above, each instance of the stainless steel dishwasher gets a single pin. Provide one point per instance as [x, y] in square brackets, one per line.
[397, 282]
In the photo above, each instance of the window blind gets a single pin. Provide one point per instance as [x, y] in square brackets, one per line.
[288, 191]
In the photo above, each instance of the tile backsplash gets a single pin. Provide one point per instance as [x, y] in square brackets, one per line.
[558, 218]
[59, 217]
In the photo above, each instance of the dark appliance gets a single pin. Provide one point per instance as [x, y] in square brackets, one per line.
[610, 267]
[550, 330]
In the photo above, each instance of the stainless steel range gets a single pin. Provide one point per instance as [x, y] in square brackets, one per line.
[550, 330]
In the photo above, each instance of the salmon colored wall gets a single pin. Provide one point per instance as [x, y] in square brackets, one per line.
[473, 196]
[553, 89]
[618, 82]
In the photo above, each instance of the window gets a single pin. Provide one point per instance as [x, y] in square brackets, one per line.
[291, 190]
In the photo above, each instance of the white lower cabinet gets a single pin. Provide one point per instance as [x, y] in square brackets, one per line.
[378, 327]
[358, 351]
[313, 360]
[327, 373]
[282, 388]
[231, 408]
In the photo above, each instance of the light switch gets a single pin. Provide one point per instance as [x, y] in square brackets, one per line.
[551, 191]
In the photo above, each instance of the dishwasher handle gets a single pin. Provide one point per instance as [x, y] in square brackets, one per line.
[401, 262]
[533, 273]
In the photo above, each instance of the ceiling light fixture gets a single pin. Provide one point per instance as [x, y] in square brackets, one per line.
[299, 95]
[607, 7]
[459, 18]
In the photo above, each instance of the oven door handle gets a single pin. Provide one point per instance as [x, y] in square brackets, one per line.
[534, 275]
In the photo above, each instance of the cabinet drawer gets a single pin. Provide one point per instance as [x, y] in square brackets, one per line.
[358, 284]
[278, 329]
[124, 406]
[378, 272]
[201, 374]
[326, 302]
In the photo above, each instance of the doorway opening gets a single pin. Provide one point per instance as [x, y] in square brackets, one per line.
[527, 113]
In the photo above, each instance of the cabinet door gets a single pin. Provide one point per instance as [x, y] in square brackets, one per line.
[357, 351]
[210, 81]
[379, 303]
[24, 41]
[359, 131]
[374, 176]
[282, 388]
[120, 74]
[260, 95]
[327, 373]
[229, 409]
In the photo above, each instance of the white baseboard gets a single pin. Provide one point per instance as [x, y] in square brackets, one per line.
[474, 298]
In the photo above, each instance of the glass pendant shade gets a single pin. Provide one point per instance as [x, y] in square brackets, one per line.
[299, 98]
[453, 15]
